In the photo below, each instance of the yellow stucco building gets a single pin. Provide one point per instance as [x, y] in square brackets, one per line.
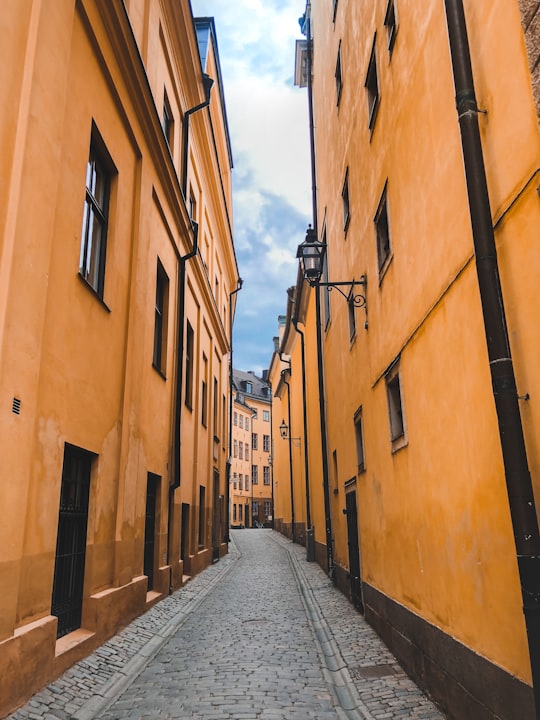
[116, 268]
[420, 509]
[250, 485]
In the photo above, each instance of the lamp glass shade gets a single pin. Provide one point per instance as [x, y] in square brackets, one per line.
[311, 255]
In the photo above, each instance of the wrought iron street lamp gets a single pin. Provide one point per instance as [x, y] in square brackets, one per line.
[311, 254]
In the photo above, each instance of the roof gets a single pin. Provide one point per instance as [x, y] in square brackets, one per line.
[251, 386]
[206, 30]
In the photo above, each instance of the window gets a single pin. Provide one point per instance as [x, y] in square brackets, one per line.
[99, 172]
[395, 407]
[267, 508]
[382, 231]
[189, 365]
[266, 415]
[192, 206]
[372, 87]
[254, 475]
[240, 513]
[266, 475]
[216, 408]
[247, 423]
[235, 419]
[255, 508]
[167, 120]
[241, 450]
[234, 512]
[160, 319]
[390, 23]
[240, 482]
[235, 480]
[345, 201]
[246, 482]
[266, 443]
[235, 448]
[338, 76]
[254, 441]
[359, 435]
[249, 387]
[241, 421]
[246, 451]
[352, 315]
[204, 393]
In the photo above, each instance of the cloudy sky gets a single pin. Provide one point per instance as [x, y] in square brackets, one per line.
[268, 123]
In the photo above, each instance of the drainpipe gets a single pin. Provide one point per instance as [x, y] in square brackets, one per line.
[518, 479]
[208, 83]
[284, 378]
[309, 530]
[229, 458]
[320, 369]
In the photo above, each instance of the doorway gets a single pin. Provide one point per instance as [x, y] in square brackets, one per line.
[68, 584]
[150, 528]
[354, 550]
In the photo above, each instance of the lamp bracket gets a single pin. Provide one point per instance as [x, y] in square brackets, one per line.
[359, 300]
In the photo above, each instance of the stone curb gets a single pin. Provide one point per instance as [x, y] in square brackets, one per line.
[120, 681]
[335, 667]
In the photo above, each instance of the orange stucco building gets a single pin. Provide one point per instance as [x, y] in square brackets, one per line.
[409, 499]
[116, 264]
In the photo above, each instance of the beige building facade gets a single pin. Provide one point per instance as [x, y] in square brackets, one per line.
[116, 263]
[251, 486]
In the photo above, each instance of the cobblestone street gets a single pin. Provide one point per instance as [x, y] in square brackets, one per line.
[261, 634]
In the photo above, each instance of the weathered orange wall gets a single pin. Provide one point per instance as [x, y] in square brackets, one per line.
[81, 366]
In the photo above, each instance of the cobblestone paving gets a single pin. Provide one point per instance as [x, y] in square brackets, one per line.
[260, 635]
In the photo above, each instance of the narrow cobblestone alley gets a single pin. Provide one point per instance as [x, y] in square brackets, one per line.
[261, 634]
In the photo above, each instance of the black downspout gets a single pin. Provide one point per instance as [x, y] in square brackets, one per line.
[283, 375]
[229, 458]
[182, 260]
[320, 370]
[304, 409]
[518, 479]
[208, 83]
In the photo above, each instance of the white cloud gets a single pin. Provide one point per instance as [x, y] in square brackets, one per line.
[268, 123]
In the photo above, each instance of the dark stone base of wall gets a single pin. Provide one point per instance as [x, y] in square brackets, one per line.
[463, 684]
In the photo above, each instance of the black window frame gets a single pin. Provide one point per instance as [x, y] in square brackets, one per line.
[359, 440]
[372, 86]
[338, 75]
[167, 121]
[190, 366]
[391, 25]
[382, 232]
[161, 308]
[346, 201]
[396, 412]
[100, 173]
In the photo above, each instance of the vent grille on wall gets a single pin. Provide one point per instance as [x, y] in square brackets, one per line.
[16, 406]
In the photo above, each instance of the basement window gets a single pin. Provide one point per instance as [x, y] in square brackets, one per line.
[372, 87]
